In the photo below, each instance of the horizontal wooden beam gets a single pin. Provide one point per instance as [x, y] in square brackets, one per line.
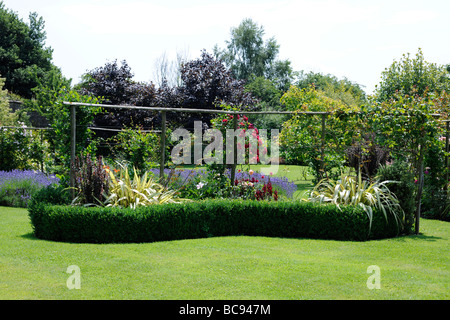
[155, 109]
[188, 110]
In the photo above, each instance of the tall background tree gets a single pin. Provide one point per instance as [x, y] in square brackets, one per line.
[206, 83]
[253, 59]
[412, 75]
[167, 72]
[24, 58]
[348, 92]
[114, 84]
[415, 89]
[248, 55]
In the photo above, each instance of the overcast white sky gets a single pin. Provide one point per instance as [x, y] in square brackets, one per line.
[356, 39]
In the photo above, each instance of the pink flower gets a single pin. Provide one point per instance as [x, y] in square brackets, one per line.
[225, 120]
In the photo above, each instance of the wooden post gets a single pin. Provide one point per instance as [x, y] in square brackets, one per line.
[233, 165]
[163, 146]
[73, 144]
[447, 134]
[419, 192]
[323, 144]
[41, 135]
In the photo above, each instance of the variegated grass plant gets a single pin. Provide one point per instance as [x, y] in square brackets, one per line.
[350, 190]
[127, 192]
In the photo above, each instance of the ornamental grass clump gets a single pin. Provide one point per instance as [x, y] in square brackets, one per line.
[368, 195]
[127, 192]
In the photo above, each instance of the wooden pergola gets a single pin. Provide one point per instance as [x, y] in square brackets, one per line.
[163, 112]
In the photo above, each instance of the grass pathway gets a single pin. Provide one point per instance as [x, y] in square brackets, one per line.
[413, 267]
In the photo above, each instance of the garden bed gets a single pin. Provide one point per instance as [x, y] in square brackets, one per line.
[207, 218]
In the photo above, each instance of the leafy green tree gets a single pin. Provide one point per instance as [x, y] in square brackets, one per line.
[269, 96]
[412, 76]
[344, 90]
[49, 101]
[248, 55]
[138, 149]
[301, 137]
[406, 126]
[46, 93]
[265, 90]
[23, 55]
[19, 148]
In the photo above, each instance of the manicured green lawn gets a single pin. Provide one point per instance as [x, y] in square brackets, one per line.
[413, 267]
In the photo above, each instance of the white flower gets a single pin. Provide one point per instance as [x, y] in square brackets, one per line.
[200, 185]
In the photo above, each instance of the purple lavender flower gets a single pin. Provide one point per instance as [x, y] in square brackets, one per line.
[181, 176]
[184, 176]
[20, 185]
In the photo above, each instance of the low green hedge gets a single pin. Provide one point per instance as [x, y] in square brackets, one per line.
[205, 219]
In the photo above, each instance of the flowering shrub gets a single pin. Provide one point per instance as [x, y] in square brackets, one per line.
[201, 184]
[198, 183]
[18, 186]
[251, 151]
[280, 184]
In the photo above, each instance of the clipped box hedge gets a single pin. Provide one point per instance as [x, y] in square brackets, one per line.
[205, 219]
